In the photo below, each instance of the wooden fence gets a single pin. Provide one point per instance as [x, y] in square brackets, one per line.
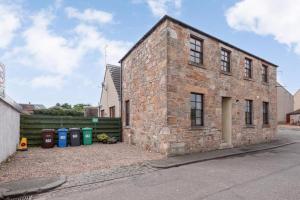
[32, 125]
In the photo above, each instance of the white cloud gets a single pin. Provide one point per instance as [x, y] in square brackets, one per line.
[90, 15]
[46, 50]
[92, 39]
[48, 81]
[269, 17]
[57, 55]
[10, 22]
[162, 7]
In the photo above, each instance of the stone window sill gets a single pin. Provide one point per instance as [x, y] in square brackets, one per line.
[265, 83]
[248, 79]
[193, 128]
[127, 127]
[197, 65]
[225, 73]
[249, 126]
[266, 126]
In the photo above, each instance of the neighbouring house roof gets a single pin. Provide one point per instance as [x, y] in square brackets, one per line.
[29, 108]
[33, 106]
[115, 72]
[281, 86]
[296, 112]
[166, 17]
[10, 102]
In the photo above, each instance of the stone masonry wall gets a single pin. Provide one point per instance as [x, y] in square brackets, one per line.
[184, 78]
[144, 84]
[158, 81]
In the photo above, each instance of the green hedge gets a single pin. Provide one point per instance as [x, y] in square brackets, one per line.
[32, 125]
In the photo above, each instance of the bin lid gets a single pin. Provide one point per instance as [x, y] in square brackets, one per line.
[74, 129]
[62, 130]
[87, 129]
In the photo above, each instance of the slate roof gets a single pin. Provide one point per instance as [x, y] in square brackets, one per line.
[296, 112]
[115, 72]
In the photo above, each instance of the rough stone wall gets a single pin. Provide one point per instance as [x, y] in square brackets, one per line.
[144, 75]
[184, 78]
[9, 129]
[158, 81]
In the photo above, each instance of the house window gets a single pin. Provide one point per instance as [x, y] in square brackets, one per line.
[127, 113]
[249, 112]
[197, 109]
[265, 73]
[265, 113]
[248, 68]
[225, 60]
[112, 112]
[102, 113]
[196, 51]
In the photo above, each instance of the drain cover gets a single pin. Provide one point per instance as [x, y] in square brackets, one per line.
[22, 198]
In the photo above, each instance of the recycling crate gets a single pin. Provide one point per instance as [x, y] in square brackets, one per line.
[62, 137]
[74, 136]
[87, 135]
[48, 138]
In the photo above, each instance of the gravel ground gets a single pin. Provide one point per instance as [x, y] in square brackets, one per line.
[38, 162]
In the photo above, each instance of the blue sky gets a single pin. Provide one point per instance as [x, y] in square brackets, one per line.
[54, 50]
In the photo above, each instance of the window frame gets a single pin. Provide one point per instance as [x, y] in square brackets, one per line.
[265, 73]
[248, 69]
[265, 113]
[127, 113]
[248, 112]
[112, 112]
[194, 110]
[200, 52]
[102, 113]
[227, 68]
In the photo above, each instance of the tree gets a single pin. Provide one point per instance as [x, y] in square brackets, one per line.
[66, 106]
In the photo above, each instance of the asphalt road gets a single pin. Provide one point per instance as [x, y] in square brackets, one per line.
[267, 175]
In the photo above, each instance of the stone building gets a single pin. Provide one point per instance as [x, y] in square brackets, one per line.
[285, 103]
[297, 100]
[186, 91]
[111, 92]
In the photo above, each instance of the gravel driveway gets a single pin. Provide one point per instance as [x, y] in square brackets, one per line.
[38, 162]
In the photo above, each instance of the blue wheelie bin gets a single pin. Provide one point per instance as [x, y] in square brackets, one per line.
[62, 137]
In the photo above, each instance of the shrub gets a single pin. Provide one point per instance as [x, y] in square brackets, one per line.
[103, 138]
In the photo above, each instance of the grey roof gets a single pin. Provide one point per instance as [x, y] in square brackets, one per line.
[115, 72]
[34, 106]
[166, 17]
[296, 112]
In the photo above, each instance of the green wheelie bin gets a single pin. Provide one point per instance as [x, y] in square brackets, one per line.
[87, 136]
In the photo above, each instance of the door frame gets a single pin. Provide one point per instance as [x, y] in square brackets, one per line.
[226, 120]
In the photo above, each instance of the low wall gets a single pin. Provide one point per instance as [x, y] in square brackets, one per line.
[9, 127]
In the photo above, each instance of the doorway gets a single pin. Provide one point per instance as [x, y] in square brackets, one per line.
[226, 120]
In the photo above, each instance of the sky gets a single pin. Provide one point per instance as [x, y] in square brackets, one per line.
[54, 50]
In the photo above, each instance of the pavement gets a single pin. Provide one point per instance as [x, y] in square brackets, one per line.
[95, 179]
[29, 186]
[217, 154]
[268, 174]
